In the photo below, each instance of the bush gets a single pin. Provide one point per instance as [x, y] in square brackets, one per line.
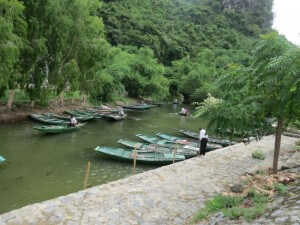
[257, 154]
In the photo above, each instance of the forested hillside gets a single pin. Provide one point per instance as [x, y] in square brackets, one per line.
[146, 48]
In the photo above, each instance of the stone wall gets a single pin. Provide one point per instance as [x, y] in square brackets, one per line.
[167, 195]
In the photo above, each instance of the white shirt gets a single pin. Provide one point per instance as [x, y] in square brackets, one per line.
[202, 134]
[73, 120]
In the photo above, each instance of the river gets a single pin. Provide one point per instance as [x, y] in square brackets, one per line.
[40, 167]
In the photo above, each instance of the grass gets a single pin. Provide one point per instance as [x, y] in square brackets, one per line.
[257, 154]
[234, 207]
[280, 188]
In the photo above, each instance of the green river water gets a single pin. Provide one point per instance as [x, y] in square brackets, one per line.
[40, 167]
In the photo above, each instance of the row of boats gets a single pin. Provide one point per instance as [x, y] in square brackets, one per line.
[160, 150]
[59, 123]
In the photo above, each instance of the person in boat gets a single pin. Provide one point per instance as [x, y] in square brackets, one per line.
[73, 121]
[121, 112]
[203, 138]
[183, 111]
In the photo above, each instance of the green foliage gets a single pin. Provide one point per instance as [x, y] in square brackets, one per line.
[267, 89]
[232, 207]
[281, 188]
[174, 29]
[12, 34]
[141, 49]
[257, 154]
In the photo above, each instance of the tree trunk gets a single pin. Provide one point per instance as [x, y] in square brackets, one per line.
[32, 103]
[11, 99]
[277, 144]
[61, 98]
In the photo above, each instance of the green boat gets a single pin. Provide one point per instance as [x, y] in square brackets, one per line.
[1, 159]
[182, 141]
[58, 129]
[181, 150]
[139, 106]
[114, 116]
[155, 140]
[48, 120]
[194, 135]
[127, 155]
[82, 118]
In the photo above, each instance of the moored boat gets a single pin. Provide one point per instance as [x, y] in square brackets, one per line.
[48, 120]
[155, 140]
[195, 135]
[181, 150]
[127, 155]
[114, 116]
[2, 159]
[58, 129]
[79, 118]
[139, 106]
[182, 141]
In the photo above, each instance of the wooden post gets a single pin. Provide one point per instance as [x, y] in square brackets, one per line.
[174, 152]
[87, 172]
[134, 160]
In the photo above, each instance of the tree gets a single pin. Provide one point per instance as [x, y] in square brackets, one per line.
[12, 34]
[269, 88]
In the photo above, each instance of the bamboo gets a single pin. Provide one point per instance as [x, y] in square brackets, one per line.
[87, 172]
[134, 160]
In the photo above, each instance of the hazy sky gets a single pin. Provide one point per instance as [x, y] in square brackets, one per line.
[287, 19]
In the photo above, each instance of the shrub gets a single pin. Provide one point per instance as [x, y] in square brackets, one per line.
[257, 154]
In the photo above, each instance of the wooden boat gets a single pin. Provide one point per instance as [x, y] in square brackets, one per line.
[82, 118]
[166, 143]
[181, 150]
[2, 159]
[127, 155]
[58, 129]
[182, 141]
[48, 120]
[194, 135]
[139, 106]
[177, 140]
[182, 114]
[155, 140]
[114, 116]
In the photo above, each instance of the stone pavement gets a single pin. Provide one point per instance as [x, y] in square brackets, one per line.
[167, 195]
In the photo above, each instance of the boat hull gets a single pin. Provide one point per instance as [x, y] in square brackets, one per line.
[126, 155]
[58, 129]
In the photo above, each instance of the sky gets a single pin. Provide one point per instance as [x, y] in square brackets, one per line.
[287, 19]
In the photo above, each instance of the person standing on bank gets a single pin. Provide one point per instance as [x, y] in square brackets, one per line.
[203, 138]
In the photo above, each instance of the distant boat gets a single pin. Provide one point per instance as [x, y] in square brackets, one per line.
[58, 129]
[126, 155]
[140, 106]
[157, 148]
[195, 135]
[48, 120]
[182, 114]
[1, 159]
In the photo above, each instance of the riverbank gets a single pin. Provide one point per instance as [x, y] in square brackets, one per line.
[167, 195]
[21, 112]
